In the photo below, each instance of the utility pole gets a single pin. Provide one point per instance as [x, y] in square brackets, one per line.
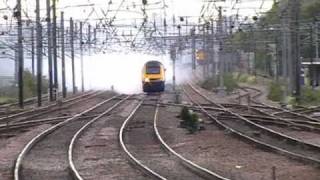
[205, 52]
[285, 47]
[63, 68]
[95, 34]
[18, 14]
[296, 46]
[39, 53]
[72, 55]
[51, 98]
[173, 55]
[55, 52]
[221, 53]
[81, 56]
[16, 63]
[317, 40]
[89, 38]
[193, 46]
[32, 51]
[312, 69]
[213, 63]
[291, 46]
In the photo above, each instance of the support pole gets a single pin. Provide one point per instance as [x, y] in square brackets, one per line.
[20, 53]
[54, 48]
[89, 38]
[173, 55]
[193, 45]
[32, 52]
[317, 40]
[296, 48]
[213, 63]
[63, 68]
[39, 54]
[204, 47]
[221, 53]
[72, 55]
[81, 56]
[51, 98]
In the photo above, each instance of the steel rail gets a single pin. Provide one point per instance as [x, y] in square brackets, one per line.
[133, 159]
[28, 124]
[42, 135]
[313, 122]
[26, 101]
[75, 173]
[193, 166]
[267, 130]
[281, 110]
[46, 108]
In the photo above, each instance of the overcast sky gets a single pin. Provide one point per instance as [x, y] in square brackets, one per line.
[100, 68]
[92, 9]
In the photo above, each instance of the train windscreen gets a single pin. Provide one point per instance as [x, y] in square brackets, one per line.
[153, 70]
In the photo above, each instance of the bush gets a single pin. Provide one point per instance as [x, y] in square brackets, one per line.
[30, 84]
[190, 120]
[210, 83]
[30, 87]
[275, 92]
[245, 78]
[252, 80]
[229, 82]
[4, 100]
[310, 96]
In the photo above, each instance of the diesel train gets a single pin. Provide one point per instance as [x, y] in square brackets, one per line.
[153, 77]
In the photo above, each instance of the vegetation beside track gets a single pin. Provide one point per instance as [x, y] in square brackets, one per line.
[276, 92]
[9, 94]
[190, 120]
[230, 83]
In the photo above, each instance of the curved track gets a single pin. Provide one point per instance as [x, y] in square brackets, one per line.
[262, 135]
[149, 155]
[75, 172]
[45, 156]
[33, 113]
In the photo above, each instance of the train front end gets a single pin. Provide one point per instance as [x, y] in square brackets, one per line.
[153, 77]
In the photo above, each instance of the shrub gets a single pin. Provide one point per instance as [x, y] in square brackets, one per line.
[243, 78]
[275, 92]
[30, 84]
[209, 84]
[190, 120]
[30, 87]
[310, 96]
[4, 100]
[229, 82]
[251, 80]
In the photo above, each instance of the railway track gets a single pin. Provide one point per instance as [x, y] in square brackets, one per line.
[280, 114]
[46, 155]
[12, 108]
[28, 101]
[96, 146]
[137, 140]
[34, 113]
[262, 135]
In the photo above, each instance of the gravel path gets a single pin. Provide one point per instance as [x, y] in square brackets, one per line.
[142, 142]
[11, 143]
[219, 151]
[98, 154]
[48, 158]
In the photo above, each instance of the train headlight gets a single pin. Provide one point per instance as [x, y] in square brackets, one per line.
[146, 80]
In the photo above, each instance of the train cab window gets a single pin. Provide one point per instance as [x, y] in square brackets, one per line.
[153, 70]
